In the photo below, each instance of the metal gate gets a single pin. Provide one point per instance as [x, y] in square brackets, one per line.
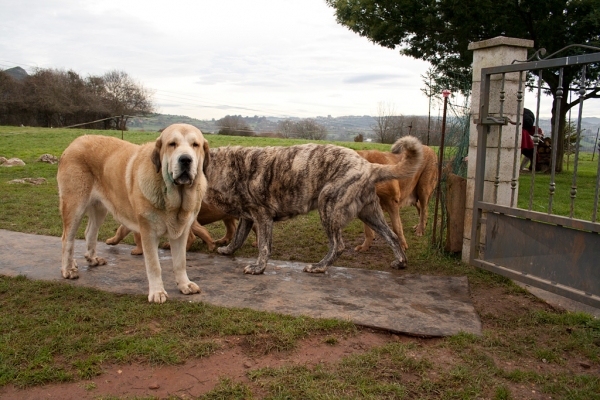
[557, 253]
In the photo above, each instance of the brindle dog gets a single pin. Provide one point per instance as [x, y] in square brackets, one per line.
[262, 185]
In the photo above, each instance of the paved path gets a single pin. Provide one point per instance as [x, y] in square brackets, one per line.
[412, 304]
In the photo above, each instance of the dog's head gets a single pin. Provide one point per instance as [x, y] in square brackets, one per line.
[181, 152]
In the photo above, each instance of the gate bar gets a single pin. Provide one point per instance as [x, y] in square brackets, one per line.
[556, 288]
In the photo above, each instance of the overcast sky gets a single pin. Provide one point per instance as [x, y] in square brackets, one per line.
[210, 58]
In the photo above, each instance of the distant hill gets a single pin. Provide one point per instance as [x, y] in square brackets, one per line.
[157, 122]
[589, 131]
[339, 128]
[17, 73]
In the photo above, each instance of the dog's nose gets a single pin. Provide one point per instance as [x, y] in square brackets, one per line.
[185, 160]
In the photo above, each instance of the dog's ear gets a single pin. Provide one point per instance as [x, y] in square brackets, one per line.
[206, 156]
[156, 155]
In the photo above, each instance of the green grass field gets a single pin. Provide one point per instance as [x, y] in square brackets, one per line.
[53, 332]
[585, 183]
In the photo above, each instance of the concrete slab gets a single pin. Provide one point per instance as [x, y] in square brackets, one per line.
[412, 304]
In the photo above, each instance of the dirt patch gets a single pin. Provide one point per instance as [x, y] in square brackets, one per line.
[496, 302]
[497, 306]
[199, 376]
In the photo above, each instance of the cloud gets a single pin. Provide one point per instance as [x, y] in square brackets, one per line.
[372, 78]
[266, 57]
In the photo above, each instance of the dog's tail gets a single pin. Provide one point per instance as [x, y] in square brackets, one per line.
[412, 149]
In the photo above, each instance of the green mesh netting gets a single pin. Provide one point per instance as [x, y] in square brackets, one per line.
[456, 148]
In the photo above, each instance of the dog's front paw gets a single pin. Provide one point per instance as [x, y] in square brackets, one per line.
[362, 248]
[158, 296]
[315, 269]
[71, 272]
[224, 250]
[396, 264]
[211, 245]
[95, 261]
[188, 288]
[221, 242]
[112, 241]
[254, 269]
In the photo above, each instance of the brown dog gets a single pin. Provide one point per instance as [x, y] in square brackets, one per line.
[154, 189]
[398, 193]
[207, 215]
[262, 185]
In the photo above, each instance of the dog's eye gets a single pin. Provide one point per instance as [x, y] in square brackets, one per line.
[195, 144]
[173, 144]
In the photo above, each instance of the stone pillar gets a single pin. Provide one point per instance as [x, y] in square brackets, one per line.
[492, 53]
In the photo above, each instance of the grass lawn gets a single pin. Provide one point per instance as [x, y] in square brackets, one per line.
[56, 333]
[583, 201]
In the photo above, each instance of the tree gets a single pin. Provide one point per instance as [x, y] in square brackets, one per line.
[439, 31]
[234, 125]
[53, 97]
[11, 100]
[307, 129]
[58, 97]
[432, 90]
[124, 96]
[285, 128]
[388, 125]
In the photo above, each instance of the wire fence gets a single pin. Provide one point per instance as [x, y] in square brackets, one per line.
[454, 161]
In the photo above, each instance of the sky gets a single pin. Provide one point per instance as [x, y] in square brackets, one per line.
[210, 58]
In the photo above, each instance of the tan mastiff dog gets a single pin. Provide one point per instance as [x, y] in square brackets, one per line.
[397, 193]
[207, 215]
[153, 189]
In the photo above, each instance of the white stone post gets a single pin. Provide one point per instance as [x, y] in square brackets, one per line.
[492, 53]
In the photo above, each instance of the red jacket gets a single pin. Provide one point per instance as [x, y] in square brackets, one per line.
[527, 137]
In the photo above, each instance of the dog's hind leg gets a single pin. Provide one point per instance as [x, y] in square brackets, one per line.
[393, 211]
[74, 198]
[369, 237]
[240, 236]
[72, 214]
[423, 208]
[424, 191]
[420, 227]
[120, 234]
[264, 235]
[372, 215]
[96, 213]
[202, 233]
[229, 223]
